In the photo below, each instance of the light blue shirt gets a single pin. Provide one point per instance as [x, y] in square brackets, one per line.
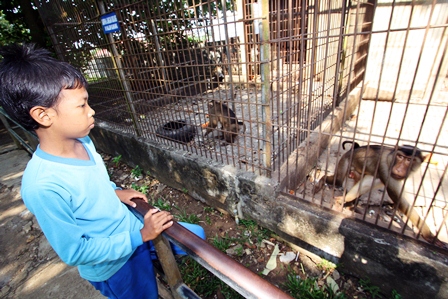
[79, 212]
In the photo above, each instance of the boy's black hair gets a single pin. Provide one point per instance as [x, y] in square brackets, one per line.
[30, 77]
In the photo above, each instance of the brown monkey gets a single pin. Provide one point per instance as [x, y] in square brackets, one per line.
[394, 165]
[219, 113]
[352, 173]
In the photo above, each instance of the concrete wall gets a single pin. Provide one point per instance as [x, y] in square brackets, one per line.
[402, 60]
[390, 261]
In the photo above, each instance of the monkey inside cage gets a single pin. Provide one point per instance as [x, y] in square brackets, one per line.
[387, 162]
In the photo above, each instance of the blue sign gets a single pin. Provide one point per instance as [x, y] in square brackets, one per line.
[110, 23]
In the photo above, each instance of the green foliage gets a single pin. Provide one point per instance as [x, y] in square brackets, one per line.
[309, 289]
[142, 189]
[12, 32]
[116, 160]
[136, 172]
[21, 22]
[395, 295]
[368, 287]
[204, 283]
[188, 218]
[221, 243]
[253, 229]
[326, 265]
[161, 204]
[208, 210]
[135, 186]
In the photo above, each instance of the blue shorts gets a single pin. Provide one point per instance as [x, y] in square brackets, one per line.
[136, 279]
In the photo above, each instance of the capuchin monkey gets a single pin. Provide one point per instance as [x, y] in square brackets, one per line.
[374, 166]
[219, 113]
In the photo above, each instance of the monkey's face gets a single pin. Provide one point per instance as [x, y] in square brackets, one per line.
[403, 166]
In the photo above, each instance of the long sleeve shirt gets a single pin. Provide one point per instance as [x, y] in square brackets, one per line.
[79, 212]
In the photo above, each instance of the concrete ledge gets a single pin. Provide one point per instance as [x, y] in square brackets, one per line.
[390, 261]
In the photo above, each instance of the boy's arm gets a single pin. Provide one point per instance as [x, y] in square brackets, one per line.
[73, 245]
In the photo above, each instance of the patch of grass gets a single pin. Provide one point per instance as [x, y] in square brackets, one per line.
[142, 189]
[188, 218]
[255, 230]
[224, 243]
[395, 295]
[116, 160]
[326, 266]
[367, 286]
[204, 283]
[136, 171]
[221, 243]
[308, 288]
[161, 204]
[208, 210]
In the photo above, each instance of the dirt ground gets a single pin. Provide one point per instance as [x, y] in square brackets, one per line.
[29, 268]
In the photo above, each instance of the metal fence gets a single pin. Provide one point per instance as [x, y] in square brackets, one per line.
[283, 69]
[276, 64]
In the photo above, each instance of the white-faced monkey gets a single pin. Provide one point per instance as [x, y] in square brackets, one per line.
[373, 166]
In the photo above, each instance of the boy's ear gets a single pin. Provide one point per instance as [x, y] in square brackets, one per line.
[40, 115]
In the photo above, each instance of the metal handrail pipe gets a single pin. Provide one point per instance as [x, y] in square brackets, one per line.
[235, 275]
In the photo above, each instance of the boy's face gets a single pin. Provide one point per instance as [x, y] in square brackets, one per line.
[73, 117]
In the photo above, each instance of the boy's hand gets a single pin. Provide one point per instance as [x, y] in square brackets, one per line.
[155, 222]
[126, 195]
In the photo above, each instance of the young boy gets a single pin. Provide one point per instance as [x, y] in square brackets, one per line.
[66, 185]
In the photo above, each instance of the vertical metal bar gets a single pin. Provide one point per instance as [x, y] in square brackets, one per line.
[117, 61]
[159, 55]
[243, 40]
[265, 51]
[56, 45]
[226, 33]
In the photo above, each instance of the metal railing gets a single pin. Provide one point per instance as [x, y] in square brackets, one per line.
[28, 142]
[235, 275]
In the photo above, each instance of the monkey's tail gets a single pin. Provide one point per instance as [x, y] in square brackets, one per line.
[355, 144]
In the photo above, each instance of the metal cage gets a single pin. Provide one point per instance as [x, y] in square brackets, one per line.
[296, 78]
